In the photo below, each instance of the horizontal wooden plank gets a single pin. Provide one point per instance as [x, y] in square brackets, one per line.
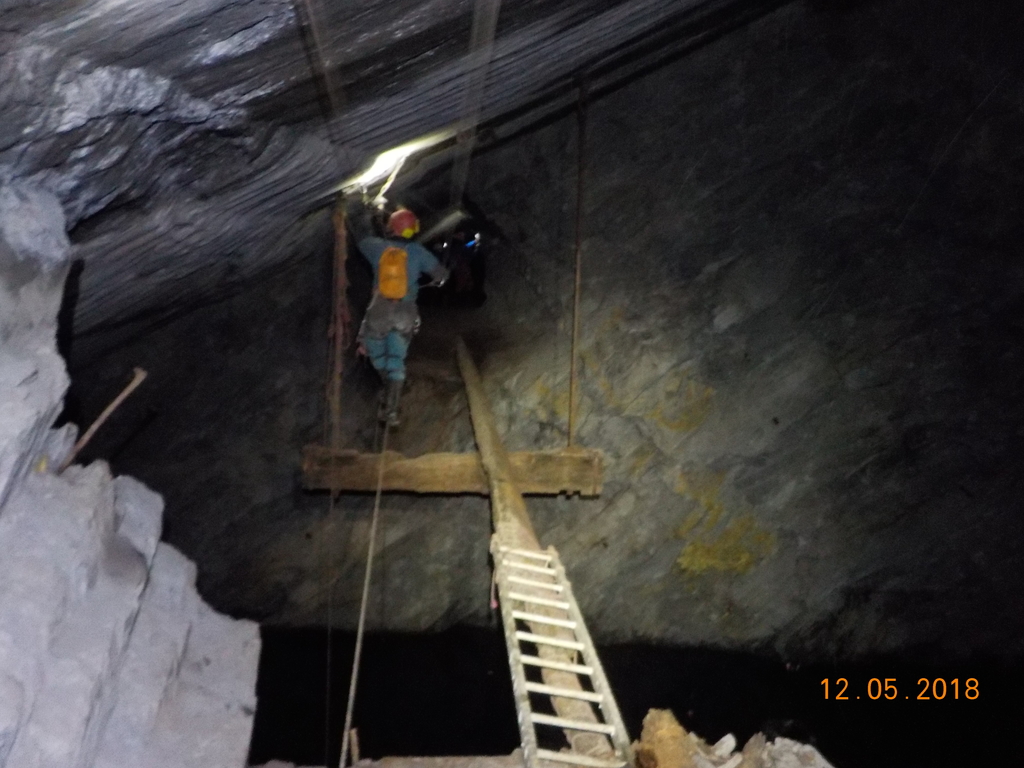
[570, 470]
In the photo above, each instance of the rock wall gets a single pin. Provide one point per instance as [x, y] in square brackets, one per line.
[108, 656]
[801, 315]
[187, 142]
[801, 327]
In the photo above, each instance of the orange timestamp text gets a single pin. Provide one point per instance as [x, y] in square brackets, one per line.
[927, 689]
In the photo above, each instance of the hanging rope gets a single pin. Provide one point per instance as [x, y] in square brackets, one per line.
[581, 114]
[319, 58]
[481, 50]
[341, 320]
[360, 629]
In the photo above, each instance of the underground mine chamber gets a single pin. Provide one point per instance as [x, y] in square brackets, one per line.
[709, 430]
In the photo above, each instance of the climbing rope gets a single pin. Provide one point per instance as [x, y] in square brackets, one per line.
[361, 627]
[573, 373]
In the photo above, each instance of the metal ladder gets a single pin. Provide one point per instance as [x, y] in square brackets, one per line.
[538, 609]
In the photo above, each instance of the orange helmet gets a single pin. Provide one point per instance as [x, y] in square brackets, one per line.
[404, 223]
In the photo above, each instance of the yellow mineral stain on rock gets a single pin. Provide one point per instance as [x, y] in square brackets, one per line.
[737, 549]
[641, 458]
[692, 521]
[595, 372]
[685, 405]
[550, 403]
[614, 320]
[703, 487]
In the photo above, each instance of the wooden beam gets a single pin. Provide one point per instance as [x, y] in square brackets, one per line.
[508, 510]
[546, 473]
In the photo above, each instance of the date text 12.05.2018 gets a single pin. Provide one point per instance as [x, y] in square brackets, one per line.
[887, 688]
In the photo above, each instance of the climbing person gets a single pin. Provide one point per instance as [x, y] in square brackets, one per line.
[392, 318]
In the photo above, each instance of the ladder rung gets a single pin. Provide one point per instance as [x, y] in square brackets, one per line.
[562, 666]
[539, 600]
[538, 584]
[528, 567]
[575, 725]
[575, 759]
[529, 553]
[539, 619]
[566, 693]
[544, 640]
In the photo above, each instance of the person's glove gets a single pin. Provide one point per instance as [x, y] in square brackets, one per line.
[440, 279]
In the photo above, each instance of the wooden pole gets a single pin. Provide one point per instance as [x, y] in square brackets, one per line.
[578, 271]
[353, 745]
[508, 510]
[138, 378]
[339, 322]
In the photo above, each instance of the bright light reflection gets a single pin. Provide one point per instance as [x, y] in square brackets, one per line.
[388, 163]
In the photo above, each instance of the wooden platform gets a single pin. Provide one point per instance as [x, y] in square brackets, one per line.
[569, 470]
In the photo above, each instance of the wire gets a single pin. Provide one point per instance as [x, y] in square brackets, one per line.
[360, 629]
[573, 373]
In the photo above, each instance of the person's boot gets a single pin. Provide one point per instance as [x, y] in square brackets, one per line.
[392, 395]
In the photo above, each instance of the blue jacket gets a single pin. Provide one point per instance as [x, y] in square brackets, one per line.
[420, 260]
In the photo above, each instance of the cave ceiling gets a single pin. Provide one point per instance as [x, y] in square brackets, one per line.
[187, 140]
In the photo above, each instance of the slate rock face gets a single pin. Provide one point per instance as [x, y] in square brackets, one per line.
[33, 254]
[800, 349]
[108, 657]
[187, 143]
[799, 362]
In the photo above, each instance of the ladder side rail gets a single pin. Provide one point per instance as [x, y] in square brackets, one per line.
[547, 634]
[609, 707]
[524, 714]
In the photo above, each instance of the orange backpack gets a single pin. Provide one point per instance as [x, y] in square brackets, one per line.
[393, 273]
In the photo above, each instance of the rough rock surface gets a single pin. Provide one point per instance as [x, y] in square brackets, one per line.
[108, 657]
[801, 320]
[664, 743]
[800, 351]
[186, 141]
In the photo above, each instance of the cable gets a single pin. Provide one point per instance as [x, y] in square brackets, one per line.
[360, 629]
[573, 374]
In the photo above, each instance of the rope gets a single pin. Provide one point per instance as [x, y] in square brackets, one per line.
[573, 373]
[333, 98]
[360, 629]
[481, 51]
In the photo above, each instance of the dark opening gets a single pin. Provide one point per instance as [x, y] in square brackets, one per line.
[449, 693]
